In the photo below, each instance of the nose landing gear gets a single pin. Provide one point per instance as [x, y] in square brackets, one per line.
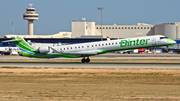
[87, 60]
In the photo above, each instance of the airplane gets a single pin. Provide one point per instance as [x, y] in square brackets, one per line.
[9, 50]
[91, 48]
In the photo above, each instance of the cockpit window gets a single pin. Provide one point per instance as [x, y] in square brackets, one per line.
[163, 37]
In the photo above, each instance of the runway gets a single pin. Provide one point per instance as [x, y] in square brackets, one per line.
[108, 56]
[37, 63]
[78, 65]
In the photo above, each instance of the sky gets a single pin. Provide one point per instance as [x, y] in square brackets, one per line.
[56, 15]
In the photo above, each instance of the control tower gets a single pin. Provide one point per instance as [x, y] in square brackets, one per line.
[30, 16]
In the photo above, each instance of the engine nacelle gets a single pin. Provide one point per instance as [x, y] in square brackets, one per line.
[42, 49]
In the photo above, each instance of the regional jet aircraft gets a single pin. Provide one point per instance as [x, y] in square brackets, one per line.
[9, 50]
[88, 49]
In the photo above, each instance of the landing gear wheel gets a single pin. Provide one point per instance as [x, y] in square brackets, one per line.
[83, 60]
[87, 60]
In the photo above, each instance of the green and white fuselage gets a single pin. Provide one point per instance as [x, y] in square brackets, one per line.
[92, 48]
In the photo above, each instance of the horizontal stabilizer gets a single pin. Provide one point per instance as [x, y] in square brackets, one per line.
[12, 40]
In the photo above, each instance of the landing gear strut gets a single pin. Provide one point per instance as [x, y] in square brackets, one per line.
[85, 60]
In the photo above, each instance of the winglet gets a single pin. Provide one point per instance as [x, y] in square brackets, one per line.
[108, 38]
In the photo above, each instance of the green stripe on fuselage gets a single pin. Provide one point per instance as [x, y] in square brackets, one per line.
[102, 52]
[24, 47]
[38, 55]
[170, 40]
[23, 44]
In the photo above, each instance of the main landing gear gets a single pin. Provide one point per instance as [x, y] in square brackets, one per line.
[85, 60]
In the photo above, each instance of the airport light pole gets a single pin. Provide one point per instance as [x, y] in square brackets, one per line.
[13, 28]
[101, 8]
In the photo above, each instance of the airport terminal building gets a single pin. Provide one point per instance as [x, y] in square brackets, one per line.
[91, 29]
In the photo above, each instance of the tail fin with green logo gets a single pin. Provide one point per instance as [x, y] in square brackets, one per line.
[22, 44]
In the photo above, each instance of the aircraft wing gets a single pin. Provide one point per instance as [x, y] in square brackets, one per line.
[75, 52]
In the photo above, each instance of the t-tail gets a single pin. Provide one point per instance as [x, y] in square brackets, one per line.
[22, 44]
